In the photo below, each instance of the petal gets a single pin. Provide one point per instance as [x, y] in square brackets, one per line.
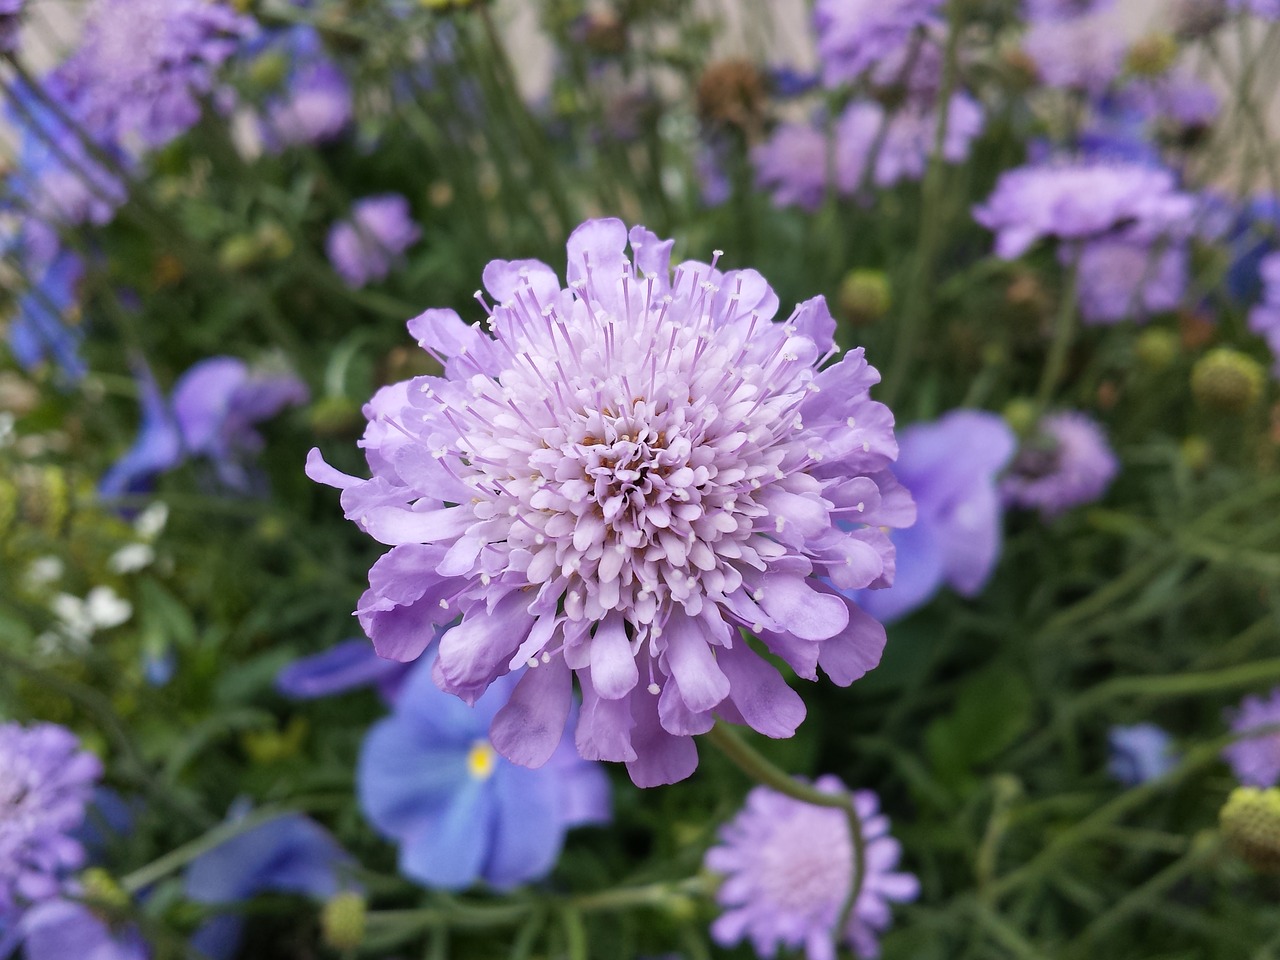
[347, 666]
[613, 665]
[530, 725]
[678, 719]
[527, 830]
[691, 664]
[652, 255]
[660, 758]
[448, 849]
[395, 525]
[855, 650]
[400, 779]
[801, 610]
[505, 278]
[477, 650]
[760, 693]
[319, 471]
[604, 726]
[443, 332]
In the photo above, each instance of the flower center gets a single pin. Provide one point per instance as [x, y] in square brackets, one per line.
[482, 760]
[806, 863]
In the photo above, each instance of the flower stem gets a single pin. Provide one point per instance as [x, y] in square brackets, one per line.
[759, 768]
[180, 857]
[1064, 331]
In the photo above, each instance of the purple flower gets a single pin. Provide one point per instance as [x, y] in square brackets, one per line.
[40, 330]
[1177, 99]
[290, 854]
[854, 35]
[1266, 9]
[46, 783]
[1264, 319]
[793, 163]
[1083, 54]
[364, 248]
[430, 779]
[1121, 280]
[950, 467]
[1062, 9]
[909, 139]
[10, 20]
[1081, 201]
[612, 481]
[211, 414]
[1256, 760]
[62, 929]
[788, 865]
[316, 105]
[1066, 463]
[143, 66]
[1140, 753]
[348, 666]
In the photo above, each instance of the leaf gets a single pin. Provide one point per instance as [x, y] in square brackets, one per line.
[993, 709]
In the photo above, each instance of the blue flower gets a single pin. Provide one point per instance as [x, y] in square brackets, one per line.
[429, 779]
[62, 929]
[1140, 753]
[1251, 239]
[950, 467]
[39, 330]
[348, 666]
[291, 854]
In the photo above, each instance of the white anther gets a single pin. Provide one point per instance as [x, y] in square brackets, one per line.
[655, 689]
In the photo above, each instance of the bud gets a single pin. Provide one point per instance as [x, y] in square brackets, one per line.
[1251, 825]
[1152, 55]
[1156, 349]
[273, 240]
[342, 920]
[1196, 453]
[269, 70]
[335, 416]
[100, 887]
[1020, 414]
[1228, 381]
[1025, 295]
[865, 296]
[1023, 71]
[732, 93]
[238, 252]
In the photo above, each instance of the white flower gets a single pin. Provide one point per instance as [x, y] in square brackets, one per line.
[131, 558]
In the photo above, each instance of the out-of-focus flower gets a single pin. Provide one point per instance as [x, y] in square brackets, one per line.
[364, 248]
[143, 66]
[1083, 53]
[1256, 760]
[793, 163]
[1081, 201]
[1227, 381]
[788, 866]
[212, 413]
[348, 666]
[1266, 9]
[290, 854]
[910, 136]
[1121, 280]
[1140, 753]
[1062, 9]
[46, 783]
[39, 331]
[1065, 463]
[316, 103]
[950, 467]
[10, 20]
[1252, 237]
[1264, 319]
[63, 929]
[1178, 102]
[732, 93]
[101, 609]
[1251, 825]
[854, 35]
[430, 779]
[618, 479]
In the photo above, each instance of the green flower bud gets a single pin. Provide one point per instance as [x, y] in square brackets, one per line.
[342, 921]
[1152, 55]
[238, 252]
[1020, 414]
[1251, 825]
[1227, 380]
[865, 296]
[101, 888]
[1157, 349]
[1196, 453]
[269, 70]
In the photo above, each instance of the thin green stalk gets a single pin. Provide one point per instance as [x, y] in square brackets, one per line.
[178, 858]
[1064, 331]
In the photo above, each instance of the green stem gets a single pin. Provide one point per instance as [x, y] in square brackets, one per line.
[1064, 331]
[759, 768]
[180, 857]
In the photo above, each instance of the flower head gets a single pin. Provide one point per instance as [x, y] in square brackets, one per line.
[1084, 54]
[950, 466]
[316, 104]
[788, 866]
[1264, 319]
[430, 779]
[1080, 201]
[364, 248]
[1256, 760]
[1121, 280]
[1140, 753]
[60, 929]
[46, 783]
[615, 480]
[854, 35]
[1066, 463]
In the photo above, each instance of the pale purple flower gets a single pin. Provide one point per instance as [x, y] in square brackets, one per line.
[143, 66]
[788, 866]
[1266, 9]
[1140, 753]
[854, 35]
[1062, 9]
[793, 164]
[1083, 54]
[317, 107]
[1264, 319]
[10, 19]
[1122, 280]
[364, 248]
[1256, 760]
[64, 929]
[612, 479]
[1080, 201]
[1065, 463]
[46, 783]
[1178, 99]
[909, 140]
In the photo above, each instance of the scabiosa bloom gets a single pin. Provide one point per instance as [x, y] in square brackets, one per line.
[793, 164]
[788, 866]
[1062, 9]
[430, 779]
[1121, 280]
[62, 929]
[909, 139]
[854, 35]
[364, 248]
[1083, 54]
[1066, 463]
[1140, 753]
[1080, 201]
[614, 481]
[1264, 319]
[1178, 102]
[10, 18]
[316, 104]
[46, 783]
[144, 65]
[1256, 760]
[1266, 9]
[950, 466]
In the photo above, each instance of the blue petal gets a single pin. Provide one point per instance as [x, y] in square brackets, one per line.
[404, 777]
[348, 666]
[449, 849]
[528, 831]
[918, 577]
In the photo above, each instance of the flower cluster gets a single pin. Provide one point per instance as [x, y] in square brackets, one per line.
[615, 481]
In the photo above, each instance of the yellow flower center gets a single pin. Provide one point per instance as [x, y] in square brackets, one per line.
[481, 760]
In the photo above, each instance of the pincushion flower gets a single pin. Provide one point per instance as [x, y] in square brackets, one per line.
[1256, 760]
[788, 866]
[1067, 462]
[363, 248]
[615, 480]
[46, 783]
[64, 929]
[317, 103]
[1084, 53]
[854, 35]
[1121, 280]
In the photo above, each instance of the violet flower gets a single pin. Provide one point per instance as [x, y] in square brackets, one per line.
[364, 248]
[430, 779]
[855, 35]
[1264, 319]
[1265, 9]
[1140, 753]
[788, 866]
[1037, 10]
[612, 481]
[1083, 54]
[350, 665]
[1067, 462]
[64, 929]
[10, 20]
[1256, 760]
[1121, 280]
[316, 105]
[950, 467]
